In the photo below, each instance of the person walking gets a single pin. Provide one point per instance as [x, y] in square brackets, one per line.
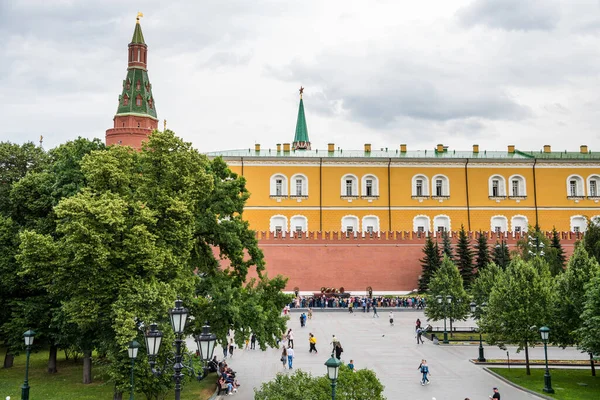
[225, 350]
[290, 338]
[309, 312]
[253, 342]
[312, 341]
[391, 316]
[496, 394]
[420, 336]
[230, 348]
[424, 369]
[375, 315]
[417, 324]
[334, 342]
[338, 351]
[290, 356]
[351, 307]
[284, 359]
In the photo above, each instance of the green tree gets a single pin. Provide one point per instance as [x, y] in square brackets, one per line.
[559, 258]
[591, 239]
[570, 298]
[447, 245]
[484, 283]
[464, 257]
[360, 385]
[446, 281]
[589, 340]
[520, 302]
[483, 252]
[501, 255]
[430, 263]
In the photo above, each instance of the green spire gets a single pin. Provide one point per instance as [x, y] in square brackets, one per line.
[138, 36]
[301, 140]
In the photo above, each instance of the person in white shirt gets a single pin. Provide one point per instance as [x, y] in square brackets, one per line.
[290, 355]
[391, 318]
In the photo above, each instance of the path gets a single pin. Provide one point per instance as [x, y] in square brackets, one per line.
[392, 353]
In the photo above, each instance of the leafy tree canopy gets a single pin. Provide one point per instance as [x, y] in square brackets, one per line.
[446, 281]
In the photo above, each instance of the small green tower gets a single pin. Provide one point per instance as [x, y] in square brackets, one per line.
[301, 141]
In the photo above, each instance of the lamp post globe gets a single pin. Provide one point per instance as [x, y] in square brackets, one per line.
[333, 367]
[153, 340]
[28, 337]
[178, 316]
[438, 298]
[473, 307]
[132, 351]
[545, 333]
[206, 342]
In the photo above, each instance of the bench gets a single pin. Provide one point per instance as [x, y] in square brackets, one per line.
[221, 388]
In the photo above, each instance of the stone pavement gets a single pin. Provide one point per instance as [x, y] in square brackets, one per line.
[392, 353]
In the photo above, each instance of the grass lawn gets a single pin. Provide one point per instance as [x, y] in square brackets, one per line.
[568, 384]
[66, 384]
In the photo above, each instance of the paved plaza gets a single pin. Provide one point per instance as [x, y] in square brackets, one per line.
[392, 353]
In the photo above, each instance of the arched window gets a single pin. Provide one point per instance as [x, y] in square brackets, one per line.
[575, 187]
[138, 84]
[278, 223]
[518, 224]
[125, 100]
[440, 187]
[150, 101]
[350, 224]
[497, 187]
[370, 186]
[279, 186]
[517, 187]
[441, 223]
[370, 224]
[349, 186]
[420, 186]
[421, 223]
[578, 223]
[499, 224]
[128, 85]
[299, 186]
[138, 100]
[299, 223]
[593, 186]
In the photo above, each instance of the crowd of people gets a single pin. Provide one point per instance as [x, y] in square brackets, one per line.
[357, 302]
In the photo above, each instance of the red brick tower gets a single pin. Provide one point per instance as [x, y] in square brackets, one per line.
[136, 114]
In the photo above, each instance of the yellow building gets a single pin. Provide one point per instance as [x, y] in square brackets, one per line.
[296, 188]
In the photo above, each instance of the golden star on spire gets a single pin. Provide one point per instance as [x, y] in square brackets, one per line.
[301, 91]
[139, 14]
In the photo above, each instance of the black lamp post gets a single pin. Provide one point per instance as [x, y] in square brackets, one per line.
[440, 300]
[474, 309]
[132, 351]
[206, 346]
[28, 336]
[333, 367]
[545, 332]
[535, 242]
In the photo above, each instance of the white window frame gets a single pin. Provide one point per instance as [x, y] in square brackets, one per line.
[442, 220]
[514, 224]
[580, 190]
[445, 186]
[366, 222]
[350, 220]
[304, 191]
[522, 186]
[297, 220]
[580, 222]
[275, 221]
[501, 186]
[354, 179]
[593, 178]
[417, 222]
[273, 185]
[425, 187]
[499, 220]
[374, 187]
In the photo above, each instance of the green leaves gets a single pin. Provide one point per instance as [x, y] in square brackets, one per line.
[446, 281]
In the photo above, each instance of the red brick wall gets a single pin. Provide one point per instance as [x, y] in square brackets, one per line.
[386, 263]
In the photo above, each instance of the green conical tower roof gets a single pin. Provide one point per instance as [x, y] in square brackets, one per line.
[301, 140]
[138, 36]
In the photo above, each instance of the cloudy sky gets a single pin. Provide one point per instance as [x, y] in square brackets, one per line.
[226, 73]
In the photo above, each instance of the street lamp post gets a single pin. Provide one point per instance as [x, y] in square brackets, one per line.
[333, 367]
[178, 316]
[545, 332]
[28, 336]
[474, 309]
[132, 351]
[206, 346]
[534, 241]
[440, 300]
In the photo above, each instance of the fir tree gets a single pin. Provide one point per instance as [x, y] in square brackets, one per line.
[591, 239]
[430, 263]
[464, 257]
[501, 256]
[447, 245]
[557, 254]
[483, 252]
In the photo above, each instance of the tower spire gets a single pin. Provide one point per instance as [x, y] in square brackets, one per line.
[136, 114]
[301, 141]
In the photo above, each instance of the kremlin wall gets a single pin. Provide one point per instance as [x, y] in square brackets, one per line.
[355, 218]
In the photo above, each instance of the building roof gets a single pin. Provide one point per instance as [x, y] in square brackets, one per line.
[301, 129]
[138, 36]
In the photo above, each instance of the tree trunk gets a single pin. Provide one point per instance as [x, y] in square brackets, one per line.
[527, 358]
[87, 367]
[117, 395]
[592, 364]
[9, 358]
[52, 359]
